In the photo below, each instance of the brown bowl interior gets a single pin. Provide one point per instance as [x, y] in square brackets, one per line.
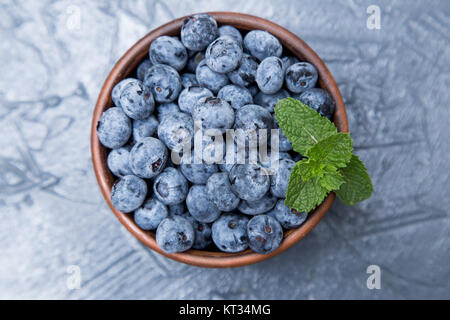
[126, 66]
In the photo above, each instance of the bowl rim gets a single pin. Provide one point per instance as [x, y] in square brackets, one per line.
[128, 63]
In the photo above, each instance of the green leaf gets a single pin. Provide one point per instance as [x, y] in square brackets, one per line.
[328, 176]
[302, 195]
[302, 125]
[357, 185]
[335, 150]
[308, 169]
[324, 158]
[332, 179]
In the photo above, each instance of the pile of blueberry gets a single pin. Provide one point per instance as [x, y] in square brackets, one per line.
[226, 79]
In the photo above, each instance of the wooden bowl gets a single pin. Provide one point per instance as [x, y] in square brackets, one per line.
[126, 67]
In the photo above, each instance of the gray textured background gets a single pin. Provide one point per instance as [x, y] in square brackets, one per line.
[395, 82]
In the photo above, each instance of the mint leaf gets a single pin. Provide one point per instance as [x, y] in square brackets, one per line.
[332, 179]
[335, 150]
[309, 183]
[308, 169]
[303, 126]
[302, 195]
[324, 158]
[357, 185]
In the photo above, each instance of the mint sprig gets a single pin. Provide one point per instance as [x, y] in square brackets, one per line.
[303, 127]
[357, 185]
[335, 150]
[330, 164]
[302, 194]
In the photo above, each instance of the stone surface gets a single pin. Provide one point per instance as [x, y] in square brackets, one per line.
[56, 55]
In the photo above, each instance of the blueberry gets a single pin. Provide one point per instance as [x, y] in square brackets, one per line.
[266, 161]
[210, 79]
[176, 209]
[117, 90]
[236, 96]
[229, 232]
[262, 44]
[228, 164]
[279, 181]
[214, 113]
[249, 181]
[252, 118]
[202, 235]
[176, 130]
[164, 82]
[144, 128]
[218, 190]
[165, 109]
[319, 100]
[199, 206]
[148, 157]
[114, 128]
[288, 218]
[184, 214]
[189, 96]
[118, 161]
[168, 50]
[245, 73]
[137, 101]
[142, 69]
[191, 53]
[254, 90]
[269, 101]
[300, 77]
[194, 61]
[285, 155]
[150, 214]
[266, 203]
[198, 31]
[297, 157]
[197, 173]
[289, 61]
[270, 75]
[231, 32]
[264, 234]
[202, 232]
[175, 234]
[188, 80]
[170, 186]
[283, 142]
[128, 193]
[223, 54]
[213, 148]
